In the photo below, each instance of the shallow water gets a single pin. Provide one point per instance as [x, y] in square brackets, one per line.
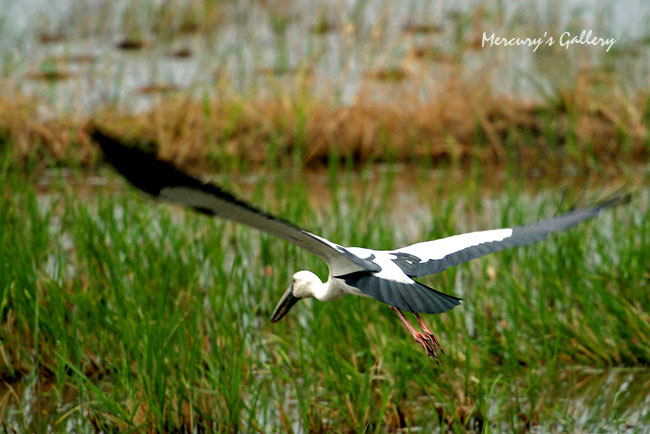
[257, 48]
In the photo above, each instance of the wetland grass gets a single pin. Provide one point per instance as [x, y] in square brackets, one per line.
[118, 313]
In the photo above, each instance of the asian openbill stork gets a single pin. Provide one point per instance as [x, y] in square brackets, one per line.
[386, 275]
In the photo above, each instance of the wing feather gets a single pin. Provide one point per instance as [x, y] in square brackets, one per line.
[163, 180]
[410, 296]
[432, 257]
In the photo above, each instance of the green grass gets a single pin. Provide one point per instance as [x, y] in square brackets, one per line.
[118, 313]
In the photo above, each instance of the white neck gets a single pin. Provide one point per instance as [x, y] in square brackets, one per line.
[326, 291]
[307, 284]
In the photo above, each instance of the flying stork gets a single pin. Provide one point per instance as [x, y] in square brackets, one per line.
[386, 275]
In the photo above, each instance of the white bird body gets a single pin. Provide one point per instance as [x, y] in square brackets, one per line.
[438, 249]
[386, 275]
[307, 284]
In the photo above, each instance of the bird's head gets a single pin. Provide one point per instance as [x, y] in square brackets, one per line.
[304, 285]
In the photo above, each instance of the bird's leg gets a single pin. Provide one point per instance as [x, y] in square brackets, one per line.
[429, 333]
[423, 339]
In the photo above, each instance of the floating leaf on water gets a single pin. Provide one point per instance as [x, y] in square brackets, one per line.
[77, 58]
[433, 54]
[130, 44]
[387, 74]
[284, 70]
[50, 38]
[324, 26]
[182, 53]
[153, 88]
[430, 28]
[189, 27]
[52, 75]
[475, 43]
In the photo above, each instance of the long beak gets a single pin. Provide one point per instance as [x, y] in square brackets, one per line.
[285, 303]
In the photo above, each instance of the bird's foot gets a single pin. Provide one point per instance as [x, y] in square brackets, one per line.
[428, 342]
[429, 334]
[425, 338]
[435, 340]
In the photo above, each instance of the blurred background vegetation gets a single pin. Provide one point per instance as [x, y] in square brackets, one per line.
[218, 82]
[375, 123]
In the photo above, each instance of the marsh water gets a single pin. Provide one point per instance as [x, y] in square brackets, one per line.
[81, 56]
[78, 57]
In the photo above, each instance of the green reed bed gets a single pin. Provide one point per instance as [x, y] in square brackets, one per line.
[118, 313]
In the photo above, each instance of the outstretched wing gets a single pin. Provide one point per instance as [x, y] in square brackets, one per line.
[162, 180]
[405, 294]
[432, 257]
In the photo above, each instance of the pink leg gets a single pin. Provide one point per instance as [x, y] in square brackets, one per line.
[429, 333]
[425, 340]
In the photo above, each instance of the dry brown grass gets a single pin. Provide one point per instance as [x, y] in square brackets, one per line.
[59, 139]
[580, 126]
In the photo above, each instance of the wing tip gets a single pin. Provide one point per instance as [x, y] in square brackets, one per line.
[115, 149]
[618, 198]
[109, 143]
[140, 167]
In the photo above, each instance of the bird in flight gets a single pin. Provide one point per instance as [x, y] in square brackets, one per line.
[386, 275]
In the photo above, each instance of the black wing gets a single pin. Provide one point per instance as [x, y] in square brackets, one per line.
[162, 180]
[432, 257]
[409, 296]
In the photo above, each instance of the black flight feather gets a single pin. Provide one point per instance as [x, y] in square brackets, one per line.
[162, 180]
